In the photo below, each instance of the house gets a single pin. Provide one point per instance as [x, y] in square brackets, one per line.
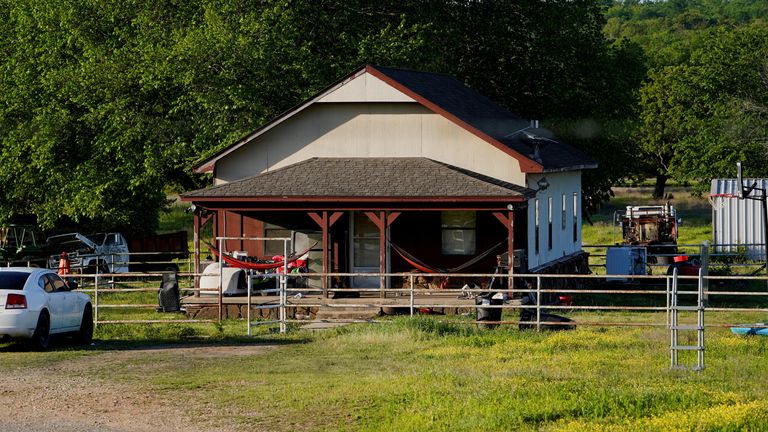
[390, 169]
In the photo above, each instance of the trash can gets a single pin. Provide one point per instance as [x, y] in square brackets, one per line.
[168, 296]
[488, 313]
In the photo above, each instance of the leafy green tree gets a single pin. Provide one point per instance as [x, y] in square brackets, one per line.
[700, 118]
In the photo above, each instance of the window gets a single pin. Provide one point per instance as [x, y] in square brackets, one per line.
[54, 283]
[549, 223]
[564, 215]
[11, 280]
[47, 285]
[459, 232]
[536, 223]
[275, 247]
[575, 216]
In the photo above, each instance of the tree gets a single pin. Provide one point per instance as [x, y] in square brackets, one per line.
[700, 118]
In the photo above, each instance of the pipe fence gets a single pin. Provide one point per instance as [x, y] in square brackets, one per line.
[591, 292]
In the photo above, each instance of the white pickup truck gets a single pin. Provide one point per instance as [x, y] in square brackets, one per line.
[113, 253]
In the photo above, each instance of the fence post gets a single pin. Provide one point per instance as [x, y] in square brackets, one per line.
[701, 302]
[411, 293]
[283, 288]
[96, 301]
[673, 321]
[191, 278]
[248, 312]
[704, 272]
[221, 279]
[538, 303]
[669, 323]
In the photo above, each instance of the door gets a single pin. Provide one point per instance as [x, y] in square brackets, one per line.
[364, 250]
[56, 307]
[68, 312]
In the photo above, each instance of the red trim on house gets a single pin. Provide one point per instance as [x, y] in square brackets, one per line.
[526, 164]
[337, 208]
[348, 199]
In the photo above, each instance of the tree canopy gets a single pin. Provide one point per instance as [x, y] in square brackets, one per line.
[700, 106]
[104, 106]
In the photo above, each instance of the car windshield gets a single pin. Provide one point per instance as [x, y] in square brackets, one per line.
[13, 280]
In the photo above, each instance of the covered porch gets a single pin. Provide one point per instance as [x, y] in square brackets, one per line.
[371, 215]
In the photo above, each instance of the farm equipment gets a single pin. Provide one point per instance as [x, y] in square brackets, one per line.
[654, 227]
[649, 236]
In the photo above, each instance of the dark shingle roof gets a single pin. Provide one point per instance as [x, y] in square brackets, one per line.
[491, 119]
[366, 178]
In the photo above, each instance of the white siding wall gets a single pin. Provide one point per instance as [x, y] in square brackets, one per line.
[566, 183]
[737, 223]
[367, 130]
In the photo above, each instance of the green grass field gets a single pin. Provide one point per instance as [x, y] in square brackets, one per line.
[427, 374]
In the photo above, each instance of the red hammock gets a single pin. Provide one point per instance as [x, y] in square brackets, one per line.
[426, 268]
[234, 262]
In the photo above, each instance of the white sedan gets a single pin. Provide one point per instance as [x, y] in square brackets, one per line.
[36, 303]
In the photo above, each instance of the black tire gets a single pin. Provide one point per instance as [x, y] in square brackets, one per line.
[85, 334]
[42, 335]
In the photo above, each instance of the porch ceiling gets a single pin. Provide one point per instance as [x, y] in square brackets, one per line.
[365, 180]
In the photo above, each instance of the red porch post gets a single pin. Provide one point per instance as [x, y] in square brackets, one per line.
[382, 221]
[509, 221]
[196, 245]
[325, 222]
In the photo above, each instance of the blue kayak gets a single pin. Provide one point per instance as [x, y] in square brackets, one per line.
[747, 329]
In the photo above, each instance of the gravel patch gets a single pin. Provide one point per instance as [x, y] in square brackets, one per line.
[64, 397]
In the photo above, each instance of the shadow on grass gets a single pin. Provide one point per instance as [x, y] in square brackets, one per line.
[161, 344]
[64, 344]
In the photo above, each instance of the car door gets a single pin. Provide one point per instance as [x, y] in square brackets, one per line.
[55, 303]
[70, 316]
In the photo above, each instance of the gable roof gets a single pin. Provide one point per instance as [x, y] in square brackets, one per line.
[401, 179]
[463, 106]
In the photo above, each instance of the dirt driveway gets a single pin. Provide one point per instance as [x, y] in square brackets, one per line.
[66, 397]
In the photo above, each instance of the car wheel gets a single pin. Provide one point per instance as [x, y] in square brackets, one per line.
[85, 334]
[42, 334]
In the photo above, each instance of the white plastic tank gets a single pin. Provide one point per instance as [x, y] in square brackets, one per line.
[233, 281]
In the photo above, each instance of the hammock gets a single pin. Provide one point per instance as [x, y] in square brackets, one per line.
[426, 268]
[234, 262]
